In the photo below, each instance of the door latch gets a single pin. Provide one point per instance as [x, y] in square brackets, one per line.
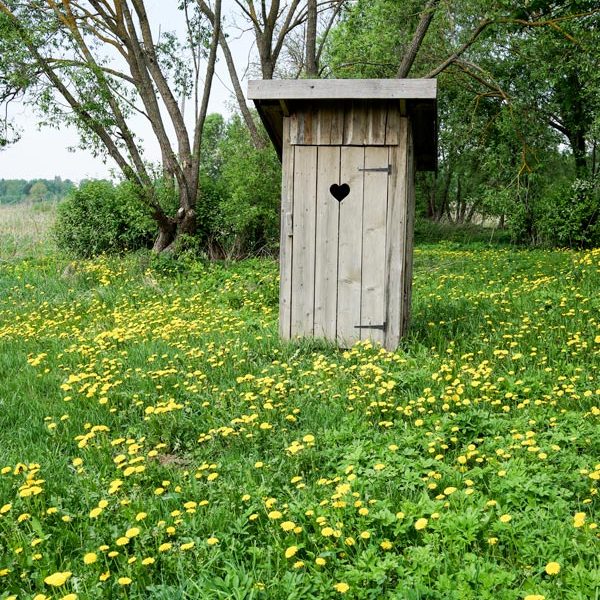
[387, 169]
[380, 327]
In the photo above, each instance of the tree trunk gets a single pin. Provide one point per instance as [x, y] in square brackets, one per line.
[431, 208]
[411, 53]
[167, 233]
[579, 152]
[311, 39]
[445, 193]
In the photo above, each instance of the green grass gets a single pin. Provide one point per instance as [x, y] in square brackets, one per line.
[141, 386]
[25, 230]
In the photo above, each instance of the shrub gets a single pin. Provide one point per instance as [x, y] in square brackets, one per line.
[100, 218]
[251, 179]
[570, 215]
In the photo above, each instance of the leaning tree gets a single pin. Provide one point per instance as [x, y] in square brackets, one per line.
[101, 65]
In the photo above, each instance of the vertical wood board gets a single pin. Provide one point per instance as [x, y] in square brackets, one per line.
[396, 238]
[303, 270]
[374, 243]
[326, 243]
[409, 237]
[286, 234]
[350, 246]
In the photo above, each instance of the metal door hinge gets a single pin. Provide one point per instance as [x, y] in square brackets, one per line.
[387, 169]
[380, 327]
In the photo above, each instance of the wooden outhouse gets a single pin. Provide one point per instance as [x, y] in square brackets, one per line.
[349, 150]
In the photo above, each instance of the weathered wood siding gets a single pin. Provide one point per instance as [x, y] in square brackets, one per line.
[354, 123]
[346, 265]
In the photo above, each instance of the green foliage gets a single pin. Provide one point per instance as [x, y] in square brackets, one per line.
[99, 218]
[252, 178]
[570, 216]
[518, 113]
[240, 190]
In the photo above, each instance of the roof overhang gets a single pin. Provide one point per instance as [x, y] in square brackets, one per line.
[275, 99]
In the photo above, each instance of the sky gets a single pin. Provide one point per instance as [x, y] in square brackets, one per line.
[44, 153]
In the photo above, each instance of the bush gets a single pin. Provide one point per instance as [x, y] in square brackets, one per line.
[238, 213]
[570, 215]
[100, 218]
[249, 210]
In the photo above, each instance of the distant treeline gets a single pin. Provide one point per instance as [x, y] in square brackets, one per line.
[14, 191]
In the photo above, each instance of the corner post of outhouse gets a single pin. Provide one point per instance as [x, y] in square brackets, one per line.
[349, 151]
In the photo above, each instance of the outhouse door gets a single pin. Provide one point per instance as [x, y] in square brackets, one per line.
[337, 240]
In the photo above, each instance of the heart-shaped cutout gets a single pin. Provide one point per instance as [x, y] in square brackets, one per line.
[339, 192]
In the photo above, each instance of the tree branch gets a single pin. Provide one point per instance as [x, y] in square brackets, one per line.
[417, 40]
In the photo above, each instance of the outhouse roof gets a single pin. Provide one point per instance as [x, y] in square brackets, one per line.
[275, 99]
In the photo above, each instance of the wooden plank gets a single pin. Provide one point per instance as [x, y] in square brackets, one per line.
[376, 124]
[355, 124]
[340, 89]
[409, 235]
[373, 244]
[310, 123]
[324, 119]
[396, 238]
[293, 120]
[303, 261]
[337, 125]
[286, 238]
[326, 259]
[392, 128]
[350, 251]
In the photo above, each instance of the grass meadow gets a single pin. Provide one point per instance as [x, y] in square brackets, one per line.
[158, 441]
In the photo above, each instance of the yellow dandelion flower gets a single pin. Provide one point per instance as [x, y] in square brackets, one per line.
[320, 561]
[148, 560]
[165, 547]
[505, 518]
[212, 541]
[288, 525]
[90, 558]
[552, 568]
[579, 519]
[341, 587]
[130, 533]
[386, 545]
[421, 523]
[57, 579]
[275, 514]
[104, 576]
[122, 541]
[124, 580]
[187, 546]
[291, 551]
[70, 597]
